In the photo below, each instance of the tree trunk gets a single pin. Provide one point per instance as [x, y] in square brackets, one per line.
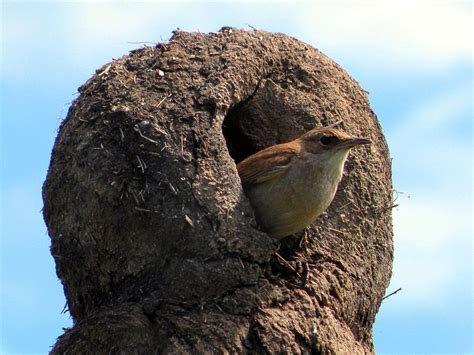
[154, 241]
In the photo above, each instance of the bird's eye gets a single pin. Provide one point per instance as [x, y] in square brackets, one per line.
[325, 140]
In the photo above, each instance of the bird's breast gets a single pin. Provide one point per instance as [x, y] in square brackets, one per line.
[313, 188]
[293, 201]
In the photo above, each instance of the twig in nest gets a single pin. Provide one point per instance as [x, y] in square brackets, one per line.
[336, 124]
[337, 231]
[142, 209]
[163, 100]
[142, 164]
[182, 145]
[144, 42]
[398, 193]
[188, 220]
[391, 207]
[303, 239]
[286, 262]
[391, 294]
[136, 128]
[105, 71]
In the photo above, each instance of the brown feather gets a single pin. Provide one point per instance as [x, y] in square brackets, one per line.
[268, 163]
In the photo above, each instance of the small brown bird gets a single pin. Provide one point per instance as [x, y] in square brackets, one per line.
[289, 185]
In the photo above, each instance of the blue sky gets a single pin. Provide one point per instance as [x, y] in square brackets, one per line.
[415, 59]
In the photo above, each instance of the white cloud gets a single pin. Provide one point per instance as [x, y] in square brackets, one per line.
[112, 22]
[438, 113]
[432, 250]
[386, 34]
[433, 228]
[82, 36]
[430, 34]
[428, 140]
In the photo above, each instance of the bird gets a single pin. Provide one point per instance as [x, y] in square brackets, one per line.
[290, 184]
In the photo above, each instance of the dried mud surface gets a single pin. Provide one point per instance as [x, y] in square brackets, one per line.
[153, 238]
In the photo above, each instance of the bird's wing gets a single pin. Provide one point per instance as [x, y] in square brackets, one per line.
[267, 164]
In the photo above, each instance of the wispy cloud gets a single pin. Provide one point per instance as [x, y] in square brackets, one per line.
[432, 251]
[118, 22]
[437, 114]
[394, 34]
[433, 227]
[435, 139]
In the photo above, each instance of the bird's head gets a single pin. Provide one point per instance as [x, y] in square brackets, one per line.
[330, 144]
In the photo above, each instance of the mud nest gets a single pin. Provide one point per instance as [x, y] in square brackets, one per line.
[154, 241]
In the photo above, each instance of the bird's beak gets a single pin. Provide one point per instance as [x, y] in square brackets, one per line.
[352, 142]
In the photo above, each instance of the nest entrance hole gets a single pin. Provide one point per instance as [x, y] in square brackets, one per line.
[262, 120]
[239, 142]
